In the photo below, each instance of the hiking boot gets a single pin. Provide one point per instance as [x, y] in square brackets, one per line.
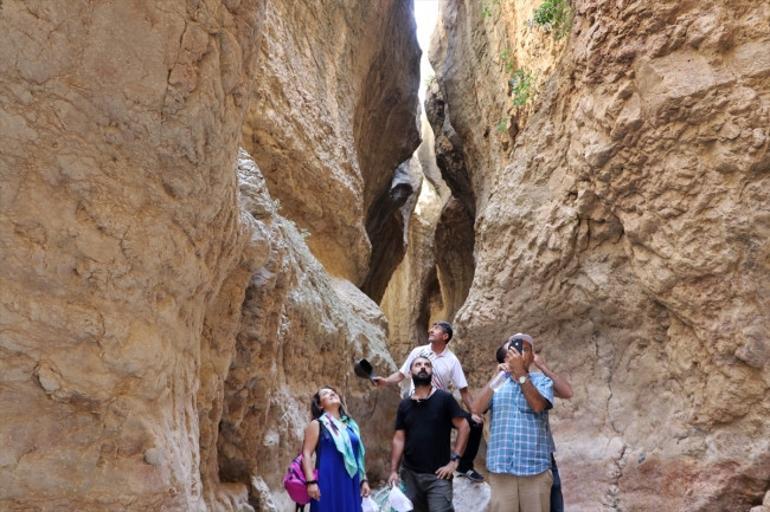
[473, 476]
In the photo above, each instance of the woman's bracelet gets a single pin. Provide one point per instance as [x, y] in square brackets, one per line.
[311, 482]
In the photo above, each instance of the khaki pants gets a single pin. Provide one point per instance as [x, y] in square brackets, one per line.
[512, 493]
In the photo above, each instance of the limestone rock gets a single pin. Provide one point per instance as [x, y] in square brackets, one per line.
[120, 234]
[413, 290]
[413, 295]
[622, 219]
[299, 330]
[335, 114]
[162, 331]
[387, 227]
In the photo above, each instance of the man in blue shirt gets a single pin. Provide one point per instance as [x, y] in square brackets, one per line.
[520, 443]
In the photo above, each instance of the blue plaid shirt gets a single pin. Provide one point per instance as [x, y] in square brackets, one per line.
[520, 441]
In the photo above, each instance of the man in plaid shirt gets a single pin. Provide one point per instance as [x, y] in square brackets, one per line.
[520, 445]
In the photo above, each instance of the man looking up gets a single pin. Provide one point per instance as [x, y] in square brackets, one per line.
[423, 431]
[447, 374]
[520, 445]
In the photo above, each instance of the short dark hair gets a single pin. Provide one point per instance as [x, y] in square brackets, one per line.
[502, 351]
[446, 327]
[315, 404]
[421, 356]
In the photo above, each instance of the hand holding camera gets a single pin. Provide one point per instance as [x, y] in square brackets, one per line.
[515, 359]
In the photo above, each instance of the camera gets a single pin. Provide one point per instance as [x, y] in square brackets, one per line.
[503, 350]
[518, 344]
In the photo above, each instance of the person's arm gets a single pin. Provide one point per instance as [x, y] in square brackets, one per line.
[391, 380]
[483, 397]
[458, 379]
[467, 399]
[535, 400]
[396, 450]
[395, 378]
[561, 386]
[363, 482]
[312, 432]
[463, 431]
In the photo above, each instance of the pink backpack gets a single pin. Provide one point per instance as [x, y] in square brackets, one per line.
[294, 482]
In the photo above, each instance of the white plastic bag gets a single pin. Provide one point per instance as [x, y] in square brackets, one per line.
[398, 500]
[380, 497]
[369, 505]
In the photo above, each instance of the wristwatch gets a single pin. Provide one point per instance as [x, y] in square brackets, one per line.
[455, 456]
[523, 379]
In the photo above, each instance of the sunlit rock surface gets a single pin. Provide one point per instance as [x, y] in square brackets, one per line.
[122, 244]
[622, 218]
[162, 331]
[335, 113]
[299, 329]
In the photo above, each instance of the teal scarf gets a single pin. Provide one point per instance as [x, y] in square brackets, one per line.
[339, 432]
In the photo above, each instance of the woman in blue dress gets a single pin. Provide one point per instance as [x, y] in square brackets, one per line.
[336, 440]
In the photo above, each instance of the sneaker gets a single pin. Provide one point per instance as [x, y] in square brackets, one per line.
[473, 475]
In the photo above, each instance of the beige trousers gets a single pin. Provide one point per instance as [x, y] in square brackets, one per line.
[512, 493]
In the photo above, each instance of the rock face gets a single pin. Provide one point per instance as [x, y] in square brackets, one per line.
[388, 227]
[335, 114]
[121, 241]
[622, 218]
[162, 325]
[299, 329]
[454, 236]
[413, 291]
[433, 279]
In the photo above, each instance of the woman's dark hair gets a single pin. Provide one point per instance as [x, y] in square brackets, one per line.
[315, 404]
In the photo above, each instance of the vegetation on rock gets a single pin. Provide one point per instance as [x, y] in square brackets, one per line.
[521, 86]
[554, 15]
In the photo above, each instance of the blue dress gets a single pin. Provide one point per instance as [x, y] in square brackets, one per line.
[339, 492]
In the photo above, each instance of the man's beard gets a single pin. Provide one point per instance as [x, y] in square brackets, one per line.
[422, 379]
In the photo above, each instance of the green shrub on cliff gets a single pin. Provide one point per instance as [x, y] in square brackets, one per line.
[554, 15]
[521, 85]
[487, 8]
[507, 59]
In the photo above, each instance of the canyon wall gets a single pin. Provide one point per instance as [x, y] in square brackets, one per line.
[619, 168]
[163, 323]
[121, 233]
[335, 113]
[300, 328]
[432, 280]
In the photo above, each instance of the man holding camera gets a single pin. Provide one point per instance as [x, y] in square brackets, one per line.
[520, 445]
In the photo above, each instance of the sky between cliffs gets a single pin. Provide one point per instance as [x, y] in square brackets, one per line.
[425, 14]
